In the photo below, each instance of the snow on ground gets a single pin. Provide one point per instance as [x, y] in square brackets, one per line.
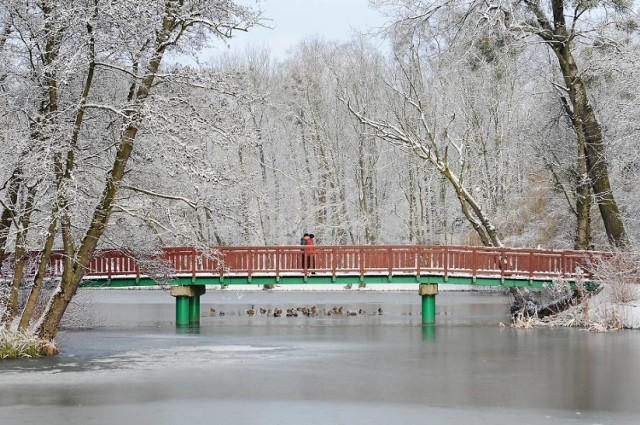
[608, 306]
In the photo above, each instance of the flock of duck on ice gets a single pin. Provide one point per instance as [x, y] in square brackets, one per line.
[312, 311]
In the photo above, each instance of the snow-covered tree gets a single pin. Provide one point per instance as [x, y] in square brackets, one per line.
[80, 82]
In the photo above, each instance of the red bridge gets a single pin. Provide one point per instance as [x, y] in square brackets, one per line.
[189, 269]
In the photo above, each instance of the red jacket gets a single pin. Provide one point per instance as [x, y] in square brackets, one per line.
[309, 247]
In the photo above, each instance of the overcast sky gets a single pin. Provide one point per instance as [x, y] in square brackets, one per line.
[296, 20]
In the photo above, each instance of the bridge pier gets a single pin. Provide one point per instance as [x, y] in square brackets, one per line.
[187, 304]
[428, 293]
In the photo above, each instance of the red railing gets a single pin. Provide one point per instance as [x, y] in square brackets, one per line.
[359, 260]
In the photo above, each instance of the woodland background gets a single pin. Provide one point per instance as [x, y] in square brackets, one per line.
[477, 126]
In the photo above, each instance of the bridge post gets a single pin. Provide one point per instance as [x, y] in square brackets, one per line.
[187, 304]
[428, 293]
[194, 310]
[182, 311]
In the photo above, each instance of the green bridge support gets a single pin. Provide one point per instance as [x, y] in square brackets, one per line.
[194, 310]
[428, 293]
[187, 304]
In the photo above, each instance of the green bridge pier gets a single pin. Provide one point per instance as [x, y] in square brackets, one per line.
[428, 293]
[188, 303]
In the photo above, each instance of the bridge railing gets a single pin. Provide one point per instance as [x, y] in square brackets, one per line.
[359, 260]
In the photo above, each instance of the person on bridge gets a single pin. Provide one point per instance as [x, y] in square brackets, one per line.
[304, 241]
[310, 251]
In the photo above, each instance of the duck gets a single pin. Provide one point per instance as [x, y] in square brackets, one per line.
[379, 310]
[252, 310]
[212, 311]
[337, 310]
[263, 311]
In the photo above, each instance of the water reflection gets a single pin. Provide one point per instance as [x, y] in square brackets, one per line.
[429, 333]
[191, 329]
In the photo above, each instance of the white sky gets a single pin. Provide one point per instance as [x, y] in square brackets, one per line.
[296, 20]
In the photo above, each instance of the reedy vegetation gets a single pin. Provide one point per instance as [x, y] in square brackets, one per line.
[467, 132]
[14, 344]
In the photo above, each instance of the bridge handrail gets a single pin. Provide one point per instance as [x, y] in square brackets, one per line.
[445, 260]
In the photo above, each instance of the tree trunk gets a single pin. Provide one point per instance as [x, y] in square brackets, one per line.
[20, 260]
[599, 176]
[597, 166]
[43, 263]
[583, 193]
[582, 208]
[71, 277]
[9, 211]
[588, 129]
[70, 281]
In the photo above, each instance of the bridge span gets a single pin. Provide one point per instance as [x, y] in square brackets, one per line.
[189, 269]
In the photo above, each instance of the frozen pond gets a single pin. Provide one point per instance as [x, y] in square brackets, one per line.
[366, 369]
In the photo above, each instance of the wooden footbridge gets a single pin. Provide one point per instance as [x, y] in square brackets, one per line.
[189, 269]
